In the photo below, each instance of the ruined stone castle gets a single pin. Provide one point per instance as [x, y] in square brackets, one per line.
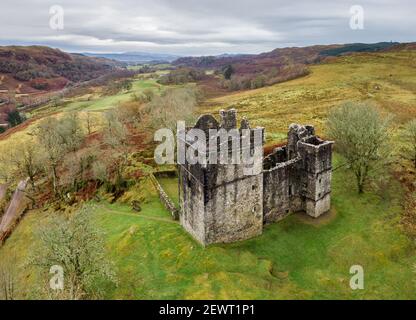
[221, 204]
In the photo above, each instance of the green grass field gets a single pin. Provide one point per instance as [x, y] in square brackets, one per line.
[102, 103]
[294, 259]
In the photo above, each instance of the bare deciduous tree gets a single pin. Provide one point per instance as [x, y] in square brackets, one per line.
[361, 135]
[90, 122]
[51, 143]
[173, 105]
[27, 161]
[115, 132]
[75, 166]
[116, 136]
[58, 137]
[77, 246]
[70, 131]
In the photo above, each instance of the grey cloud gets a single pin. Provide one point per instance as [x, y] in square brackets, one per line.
[202, 27]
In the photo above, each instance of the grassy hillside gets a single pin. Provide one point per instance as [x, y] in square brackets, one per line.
[28, 69]
[258, 63]
[30, 74]
[282, 64]
[296, 258]
[386, 79]
[92, 104]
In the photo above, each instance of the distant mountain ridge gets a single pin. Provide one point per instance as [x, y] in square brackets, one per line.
[359, 47]
[135, 57]
[278, 57]
[145, 57]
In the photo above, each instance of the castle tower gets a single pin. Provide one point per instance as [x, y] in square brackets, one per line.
[316, 157]
[220, 203]
[297, 177]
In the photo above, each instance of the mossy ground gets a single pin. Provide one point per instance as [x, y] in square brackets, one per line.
[294, 259]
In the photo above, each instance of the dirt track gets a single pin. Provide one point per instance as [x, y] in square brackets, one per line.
[16, 207]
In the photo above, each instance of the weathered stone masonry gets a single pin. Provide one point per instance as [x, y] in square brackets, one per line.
[220, 204]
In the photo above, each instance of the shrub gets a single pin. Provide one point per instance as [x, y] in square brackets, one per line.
[15, 118]
[227, 72]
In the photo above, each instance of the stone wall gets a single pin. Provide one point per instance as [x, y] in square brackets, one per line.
[234, 207]
[191, 197]
[279, 197]
[221, 204]
[164, 198]
[228, 207]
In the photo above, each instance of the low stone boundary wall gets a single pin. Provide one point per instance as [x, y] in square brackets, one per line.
[164, 198]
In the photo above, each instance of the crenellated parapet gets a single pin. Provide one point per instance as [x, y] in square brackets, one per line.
[221, 203]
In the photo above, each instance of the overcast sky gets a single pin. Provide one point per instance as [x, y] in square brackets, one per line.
[202, 27]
